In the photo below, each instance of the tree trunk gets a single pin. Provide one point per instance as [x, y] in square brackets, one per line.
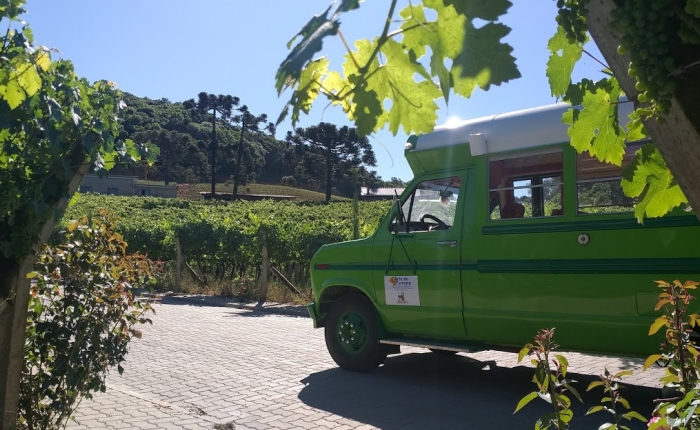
[329, 173]
[677, 139]
[167, 171]
[213, 154]
[239, 157]
[13, 312]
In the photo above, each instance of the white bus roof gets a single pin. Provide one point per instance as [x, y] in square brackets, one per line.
[522, 129]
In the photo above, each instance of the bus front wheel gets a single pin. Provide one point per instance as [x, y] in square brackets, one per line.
[351, 334]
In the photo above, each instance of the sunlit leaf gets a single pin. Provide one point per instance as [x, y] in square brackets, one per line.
[312, 36]
[651, 360]
[595, 409]
[563, 57]
[632, 414]
[484, 60]
[594, 384]
[525, 400]
[13, 93]
[657, 324]
[595, 128]
[444, 37]
[43, 60]
[650, 180]
[523, 352]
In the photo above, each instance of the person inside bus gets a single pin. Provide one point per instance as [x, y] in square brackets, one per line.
[513, 210]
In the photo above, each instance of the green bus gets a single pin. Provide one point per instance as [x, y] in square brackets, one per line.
[504, 230]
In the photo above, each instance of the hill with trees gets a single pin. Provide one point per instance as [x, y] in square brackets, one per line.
[184, 135]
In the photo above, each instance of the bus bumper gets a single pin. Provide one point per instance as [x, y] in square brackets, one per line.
[311, 308]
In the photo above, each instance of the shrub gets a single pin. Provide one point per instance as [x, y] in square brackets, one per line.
[82, 316]
[289, 181]
[679, 351]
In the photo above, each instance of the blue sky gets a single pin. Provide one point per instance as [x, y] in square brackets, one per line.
[174, 49]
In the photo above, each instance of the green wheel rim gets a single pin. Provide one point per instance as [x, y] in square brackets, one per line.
[351, 332]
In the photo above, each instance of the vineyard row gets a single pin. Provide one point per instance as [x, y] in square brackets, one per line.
[223, 240]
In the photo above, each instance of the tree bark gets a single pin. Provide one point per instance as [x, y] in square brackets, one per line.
[213, 154]
[677, 139]
[167, 171]
[329, 173]
[239, 157]
[13, 316]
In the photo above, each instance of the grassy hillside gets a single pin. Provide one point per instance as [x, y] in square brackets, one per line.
[191, 191]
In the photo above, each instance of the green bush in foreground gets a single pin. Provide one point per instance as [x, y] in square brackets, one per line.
[676, 411]
[82, 316]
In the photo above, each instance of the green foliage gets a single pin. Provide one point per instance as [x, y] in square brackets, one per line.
[383, 69]
[564, 56]
[184, 139]
[335, 150]
[648, 29]
[51, 122]
[595, 128]
[82, 316]
[550, 378]
[611, 389]
[679, 353]
[651, 181]
[394, 79]
[225, 238]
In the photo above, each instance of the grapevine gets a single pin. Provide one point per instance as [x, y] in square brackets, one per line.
[646, 27]
[228, 235]
[572, 18]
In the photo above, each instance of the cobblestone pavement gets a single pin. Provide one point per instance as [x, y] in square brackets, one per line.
[202, 367]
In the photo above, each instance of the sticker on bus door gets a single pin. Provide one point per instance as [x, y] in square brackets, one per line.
[401, 290]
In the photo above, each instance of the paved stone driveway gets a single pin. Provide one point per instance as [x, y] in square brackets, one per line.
[201, 367]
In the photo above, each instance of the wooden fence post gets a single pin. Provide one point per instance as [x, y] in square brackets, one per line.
[264, 270]
[179, 259]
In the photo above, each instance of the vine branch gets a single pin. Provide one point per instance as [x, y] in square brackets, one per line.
[596, 59]
[383, 38]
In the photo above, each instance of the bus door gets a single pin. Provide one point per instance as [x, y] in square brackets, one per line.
[416, 260]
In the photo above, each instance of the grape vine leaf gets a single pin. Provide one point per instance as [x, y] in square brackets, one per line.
[595, 128]
[483, 60]
[412, 103]
[312, 35]
[366, 110]
[444, 37]
[635, 128]
[564, 56]
[348, 5]
[363, 105]
[307, 91]
[43, 60]
[367, 88]
[488, 10]
[649, 179]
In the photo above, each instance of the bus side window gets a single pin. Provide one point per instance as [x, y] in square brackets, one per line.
[598, 184]
[527, 186]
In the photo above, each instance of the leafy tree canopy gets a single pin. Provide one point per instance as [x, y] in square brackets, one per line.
[434, 49]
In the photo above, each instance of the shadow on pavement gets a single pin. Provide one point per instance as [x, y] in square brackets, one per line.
[264, 313]
[427, 391]
[246, 309]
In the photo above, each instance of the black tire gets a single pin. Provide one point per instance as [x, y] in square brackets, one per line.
[349, 315]
[442, 352]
